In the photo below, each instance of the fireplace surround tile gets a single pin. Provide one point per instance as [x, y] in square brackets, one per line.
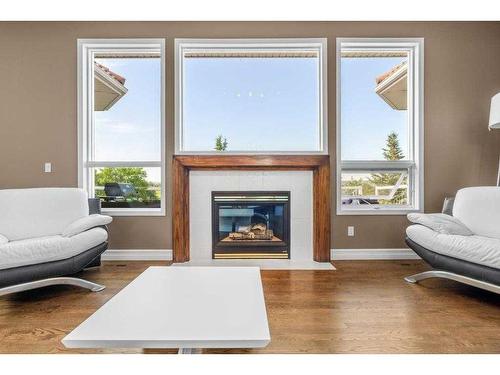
[183, 165]
[299, 183]
[301, 233]
[250, 180]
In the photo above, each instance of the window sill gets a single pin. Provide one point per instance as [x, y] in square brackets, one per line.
[374, 212]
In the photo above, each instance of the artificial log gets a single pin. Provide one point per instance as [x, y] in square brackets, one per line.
[241, 236]
[259, 228]
[244, 229]
[237, 236]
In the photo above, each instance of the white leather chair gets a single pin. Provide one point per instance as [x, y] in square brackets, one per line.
[473, 258]
[47, 234]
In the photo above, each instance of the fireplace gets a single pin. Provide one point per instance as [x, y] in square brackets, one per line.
[251, 225]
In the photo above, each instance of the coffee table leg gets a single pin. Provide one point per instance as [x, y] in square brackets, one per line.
[190, 351]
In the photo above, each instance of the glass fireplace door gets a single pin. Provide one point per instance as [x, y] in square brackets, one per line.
[251, 225]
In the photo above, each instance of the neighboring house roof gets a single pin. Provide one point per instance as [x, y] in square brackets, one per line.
[108, 87]
[116, 76]
[392, 86]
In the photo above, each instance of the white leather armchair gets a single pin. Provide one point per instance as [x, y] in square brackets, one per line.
[464, 247]
[45, 234]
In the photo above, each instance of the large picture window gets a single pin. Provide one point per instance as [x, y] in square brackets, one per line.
[379, 126]
[251, 96]
[121, 124]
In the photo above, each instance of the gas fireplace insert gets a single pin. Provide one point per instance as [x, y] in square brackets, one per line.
[250, 224]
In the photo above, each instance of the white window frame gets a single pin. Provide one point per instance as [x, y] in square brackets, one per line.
[415, 164]
[300, 43]
[87, 48]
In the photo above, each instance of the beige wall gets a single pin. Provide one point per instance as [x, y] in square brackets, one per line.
[38, 109]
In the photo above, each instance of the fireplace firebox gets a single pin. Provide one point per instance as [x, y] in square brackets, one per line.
[251, 225]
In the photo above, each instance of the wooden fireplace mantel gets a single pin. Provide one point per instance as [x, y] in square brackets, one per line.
[319, 164]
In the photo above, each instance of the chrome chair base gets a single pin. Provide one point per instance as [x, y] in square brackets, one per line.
[453, 276]
[52, 281]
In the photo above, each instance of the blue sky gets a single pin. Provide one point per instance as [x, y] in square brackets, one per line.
[257, 104]
[366, 118]
[130, 130]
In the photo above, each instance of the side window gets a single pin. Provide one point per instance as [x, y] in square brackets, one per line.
[122, 125]
[380, 120]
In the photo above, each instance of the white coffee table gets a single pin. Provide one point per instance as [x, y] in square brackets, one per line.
[189, 308]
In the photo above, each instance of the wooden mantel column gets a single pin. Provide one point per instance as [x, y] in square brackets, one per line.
[319, 164]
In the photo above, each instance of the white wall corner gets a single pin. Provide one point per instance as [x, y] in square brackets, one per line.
[137, 254]
[372, 254]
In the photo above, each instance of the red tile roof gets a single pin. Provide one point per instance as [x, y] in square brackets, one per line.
[112, 74]
[387, 74]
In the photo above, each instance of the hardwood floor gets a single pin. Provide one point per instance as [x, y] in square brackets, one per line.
[363, 307]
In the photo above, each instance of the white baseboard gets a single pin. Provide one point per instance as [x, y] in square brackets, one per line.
[336, 254]
[372, 254]
[137, 254]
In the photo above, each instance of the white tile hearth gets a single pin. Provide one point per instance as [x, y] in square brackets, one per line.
[299, 183]
[264, 264]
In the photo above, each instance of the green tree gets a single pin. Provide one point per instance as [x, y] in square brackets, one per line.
[220, 143]
[350, 187]
[130, 175]
[392, 151]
